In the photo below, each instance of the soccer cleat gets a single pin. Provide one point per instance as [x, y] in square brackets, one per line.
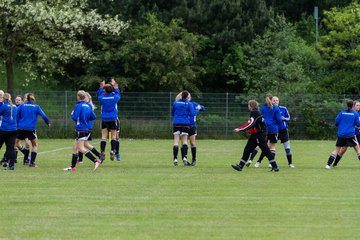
[102, 156]
[175, 162]
[70, 169]
[237, 167]
[276, 169]
[185, 161]
[97, 164]
[193, 163]
[327, 166]
[270, 165]
[112, 155]
[117, 155]
[5, 164]
[291, 166]
[33, 165]
[257, 164]
[11, 168]
[248, 163]
[26, 162]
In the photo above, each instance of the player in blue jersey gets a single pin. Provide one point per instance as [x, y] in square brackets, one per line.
[356, 108]
[8, 126]
[108, 95]
[272, 117]
[27, 119]
[82, 115]
[182, 110]
[88, 100]
[258, 130]
[346, 121]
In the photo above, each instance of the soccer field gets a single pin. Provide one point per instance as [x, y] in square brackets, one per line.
[145, 197]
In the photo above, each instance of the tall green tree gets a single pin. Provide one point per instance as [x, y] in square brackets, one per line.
[43, 35]
[280, 61]
[340, 46]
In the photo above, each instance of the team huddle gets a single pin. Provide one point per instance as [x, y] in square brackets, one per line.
[266, 125]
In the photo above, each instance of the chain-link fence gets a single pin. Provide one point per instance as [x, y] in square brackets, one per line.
[147, 115]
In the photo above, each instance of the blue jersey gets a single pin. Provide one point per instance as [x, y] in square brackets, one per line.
[286, 117]
[272, 118]
[108, 103]
[193, 118]
[83, 115]
[346, 121]
[357, 130]
[8, 120]
[27, 116]
[182, 111]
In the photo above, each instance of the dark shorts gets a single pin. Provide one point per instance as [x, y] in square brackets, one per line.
[272, 137]
[181, 130]
[284, 135]
[346, 142]
[82, 135]
[90, 135]
[109, 125]
[23, 134]
[192, 131]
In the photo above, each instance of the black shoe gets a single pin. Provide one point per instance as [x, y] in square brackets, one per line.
[237, 167]
[274, 169]
[193, 163]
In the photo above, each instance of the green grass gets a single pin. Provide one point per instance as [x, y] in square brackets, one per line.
[145, 197]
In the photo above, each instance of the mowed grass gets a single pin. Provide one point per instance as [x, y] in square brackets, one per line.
[145, 197]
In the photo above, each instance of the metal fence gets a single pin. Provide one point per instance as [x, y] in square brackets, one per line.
[148, 115]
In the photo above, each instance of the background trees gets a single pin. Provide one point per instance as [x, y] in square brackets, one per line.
[204, 46]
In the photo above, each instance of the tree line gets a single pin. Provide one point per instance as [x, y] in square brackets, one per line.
[244, 46]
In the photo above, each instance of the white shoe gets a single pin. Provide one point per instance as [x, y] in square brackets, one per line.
[270, 165]
[327, 167]
[257, 164]
[185, 161]
[67, 169]
[291, 166]
[175, 162]
[97, 164]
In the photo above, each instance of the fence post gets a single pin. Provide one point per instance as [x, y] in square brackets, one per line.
[226, 114]
[66, 111]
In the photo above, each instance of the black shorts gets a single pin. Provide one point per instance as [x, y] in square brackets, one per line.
[90, 135]
[346, 142]
[109, 125]
[284, 135]
[23, 134]
[82, 135]
[181, 130]
[272, 137]
[357, 138]
[192, 131]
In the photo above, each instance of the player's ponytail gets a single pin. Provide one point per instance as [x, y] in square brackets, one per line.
[349, 105]
[268, 101]
[7, 98]
[90, 100]
[30, 97]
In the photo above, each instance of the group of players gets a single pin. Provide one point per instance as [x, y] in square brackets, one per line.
[265, 125]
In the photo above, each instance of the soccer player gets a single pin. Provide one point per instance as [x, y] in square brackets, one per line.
[283, 130]
[108, 95]
[82, 115]
[182, 109]
[88, 100]
[8, 126]
[272, 117]
[257, 128]
[356, 108]
[27, 120]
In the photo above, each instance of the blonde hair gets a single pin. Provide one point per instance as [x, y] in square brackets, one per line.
[30, 97]
[90, 100]
[178, 96]
[7, 97]
[81, 94]
[268, 101]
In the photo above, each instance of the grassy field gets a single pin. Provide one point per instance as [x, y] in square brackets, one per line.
[145, 197]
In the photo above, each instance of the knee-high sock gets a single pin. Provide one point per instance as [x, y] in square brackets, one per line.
[184, 150]
[175, 151]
